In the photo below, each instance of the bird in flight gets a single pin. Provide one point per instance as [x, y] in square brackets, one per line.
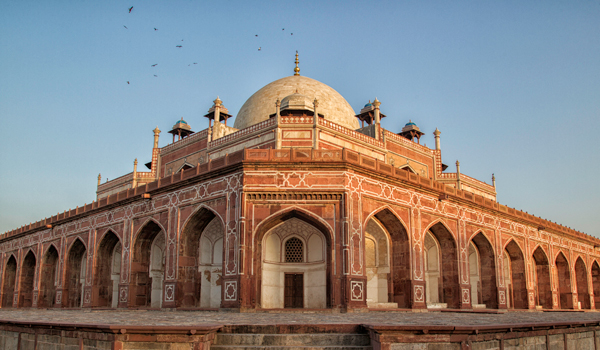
[292, 33]
[155, 75]
[259, 48]
[178, 46]
[282, 28]
[256, 35]
[154, 65]
[195, 62]
[131, 8]
[127, 81]
[155, 29]
[125, 27]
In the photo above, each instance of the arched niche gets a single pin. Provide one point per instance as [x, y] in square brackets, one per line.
[75, 274]
[441, 268]
[294, 270]
[515, 276]
[482, 266]
[564, 282]
[107, 271]
[47, 290]
[596, 283]
[8, 285]
[210, 267]
[148, 266]
[26, 278]
[197, 279]
[543, 291]
[393, 260]
[583, 294]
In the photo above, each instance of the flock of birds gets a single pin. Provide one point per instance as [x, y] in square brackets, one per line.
[156, 64]
[181, 46]
[260, 47]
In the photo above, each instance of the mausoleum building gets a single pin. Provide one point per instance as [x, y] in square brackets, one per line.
[302, 203]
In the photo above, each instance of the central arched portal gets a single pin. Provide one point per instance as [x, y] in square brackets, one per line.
[294, 271]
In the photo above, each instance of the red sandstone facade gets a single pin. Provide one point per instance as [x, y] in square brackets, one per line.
[211, 202]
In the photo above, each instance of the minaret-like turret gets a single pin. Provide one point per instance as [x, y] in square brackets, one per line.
[437, 133]
[156, 133]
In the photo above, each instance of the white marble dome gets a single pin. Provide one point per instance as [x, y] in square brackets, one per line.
[262, 104]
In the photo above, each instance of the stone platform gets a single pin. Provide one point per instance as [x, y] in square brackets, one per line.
[24, 329]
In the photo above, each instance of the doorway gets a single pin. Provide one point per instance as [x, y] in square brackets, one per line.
[294, 290]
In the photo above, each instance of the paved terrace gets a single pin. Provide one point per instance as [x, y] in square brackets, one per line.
[208, 318]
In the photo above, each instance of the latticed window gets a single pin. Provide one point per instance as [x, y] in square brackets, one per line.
[294, 250]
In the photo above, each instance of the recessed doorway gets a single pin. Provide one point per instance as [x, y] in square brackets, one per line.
[294, 290]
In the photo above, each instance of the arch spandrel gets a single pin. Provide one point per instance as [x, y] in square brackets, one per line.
[429, 221]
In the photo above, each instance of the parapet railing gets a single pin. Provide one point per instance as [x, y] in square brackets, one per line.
[295, 155]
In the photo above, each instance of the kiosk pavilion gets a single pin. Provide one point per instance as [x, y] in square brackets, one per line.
[302, 203]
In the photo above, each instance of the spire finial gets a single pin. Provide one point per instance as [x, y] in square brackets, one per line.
[297, 70]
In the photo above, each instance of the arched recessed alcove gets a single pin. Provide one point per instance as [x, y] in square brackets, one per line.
[583, 294]
[8, 285]
[75, 274]
[107, 271]
[26, 278]
[543, 291]
[564, 282]
[484, 290]
[148, 266]
[47, 290]
[515, 277]
[197, 277]
[441, 268]
[596, 284]
[393, 251]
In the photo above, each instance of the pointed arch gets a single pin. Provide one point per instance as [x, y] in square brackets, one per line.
[49, 273]
[517, 278]
[75, 273]
[147, 265]
[595, 271]
[107, 269]
[486, 286]
[10, 278]
[26, 279]
[541, 271]
[447, 254]
[280, 218]
[190, 278]
[583, 294]
[398, 242]
[564, 281]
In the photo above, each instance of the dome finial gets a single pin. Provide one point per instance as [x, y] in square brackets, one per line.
[297, 70]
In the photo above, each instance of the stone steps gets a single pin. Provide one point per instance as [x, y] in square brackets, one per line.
[303, 341]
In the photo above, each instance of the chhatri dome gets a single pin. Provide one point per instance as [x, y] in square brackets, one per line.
[262, 104]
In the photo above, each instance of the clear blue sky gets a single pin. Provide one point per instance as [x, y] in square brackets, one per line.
[514, 87]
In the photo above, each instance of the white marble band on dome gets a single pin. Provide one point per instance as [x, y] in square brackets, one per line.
[262, 104]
